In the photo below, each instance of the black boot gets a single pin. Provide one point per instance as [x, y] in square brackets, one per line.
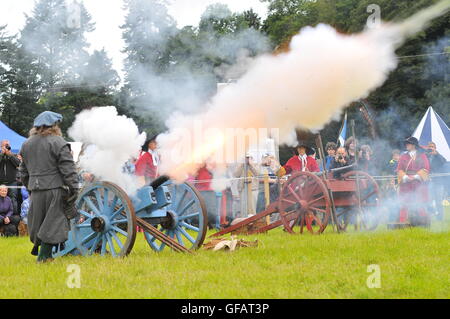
[45, 253]
[35, 250]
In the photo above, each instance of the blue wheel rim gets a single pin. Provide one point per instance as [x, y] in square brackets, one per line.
[191, 222]
[108, 203]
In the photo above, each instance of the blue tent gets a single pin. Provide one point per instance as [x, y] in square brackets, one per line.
[14, 139]
[433, 129]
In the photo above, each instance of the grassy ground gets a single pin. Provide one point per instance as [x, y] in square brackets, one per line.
[414, 263]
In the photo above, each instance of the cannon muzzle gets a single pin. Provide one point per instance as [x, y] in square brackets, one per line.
[159, 181]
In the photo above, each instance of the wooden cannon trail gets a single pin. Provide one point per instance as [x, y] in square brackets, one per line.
[310, 200]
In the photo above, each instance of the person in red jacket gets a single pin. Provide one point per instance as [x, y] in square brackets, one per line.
[413, 169]
[301, 162]
[147, 163]
[203, 179]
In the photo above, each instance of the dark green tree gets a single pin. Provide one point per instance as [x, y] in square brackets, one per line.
[148, 28]
[218, 19]
[251, 19]
[419, 80]
[146, 31]
[50, 68]
[286, 17]
[6, 49]
[225, 37]
[54, 36]
[19, 86]
[97, 87]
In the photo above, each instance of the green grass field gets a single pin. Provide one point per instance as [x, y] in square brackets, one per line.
[414, 263]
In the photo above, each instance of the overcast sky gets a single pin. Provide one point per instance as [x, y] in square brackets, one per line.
[109, 15]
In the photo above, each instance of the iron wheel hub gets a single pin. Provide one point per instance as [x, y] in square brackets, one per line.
[98, 224]
[171, 222]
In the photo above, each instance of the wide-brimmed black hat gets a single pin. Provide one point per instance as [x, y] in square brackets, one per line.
[412, 140]
[153, 138]
[309, 149]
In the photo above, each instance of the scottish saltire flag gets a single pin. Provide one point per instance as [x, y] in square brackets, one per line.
[343, 132]
[433, 129]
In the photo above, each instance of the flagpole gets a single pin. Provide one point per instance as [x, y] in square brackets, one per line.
[342, 126]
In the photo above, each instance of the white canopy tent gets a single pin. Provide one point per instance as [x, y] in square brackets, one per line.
[433, 129]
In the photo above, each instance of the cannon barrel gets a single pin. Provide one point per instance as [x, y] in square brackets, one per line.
[159, 181]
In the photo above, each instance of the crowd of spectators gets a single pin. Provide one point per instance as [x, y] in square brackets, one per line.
[244, 201]
[12, 194]
[246, 191]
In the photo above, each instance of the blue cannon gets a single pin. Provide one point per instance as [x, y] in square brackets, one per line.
[108, 220]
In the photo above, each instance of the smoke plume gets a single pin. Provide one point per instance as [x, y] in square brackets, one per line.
[115, 138]
[304, 88]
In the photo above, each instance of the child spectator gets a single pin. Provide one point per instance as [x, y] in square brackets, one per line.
[331, 152]
[25, 206]
[23, 225]
[393, 163]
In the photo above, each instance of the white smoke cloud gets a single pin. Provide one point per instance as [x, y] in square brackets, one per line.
[189, 81]
[304, 88]
[116, 139]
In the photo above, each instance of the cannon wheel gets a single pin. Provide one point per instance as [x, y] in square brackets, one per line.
[304, 202]
[106, 223]
[370, 195]
[188, 218]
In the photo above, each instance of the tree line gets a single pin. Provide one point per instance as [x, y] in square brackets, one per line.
[48, 66]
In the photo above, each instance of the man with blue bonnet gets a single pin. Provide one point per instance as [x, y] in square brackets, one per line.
[49, 174]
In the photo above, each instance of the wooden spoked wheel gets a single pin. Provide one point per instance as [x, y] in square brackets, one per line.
[106, 223]
[367, 216]
[304, 203]
[188, 218]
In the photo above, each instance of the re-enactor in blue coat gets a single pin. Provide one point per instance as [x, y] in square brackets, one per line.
[47, 171]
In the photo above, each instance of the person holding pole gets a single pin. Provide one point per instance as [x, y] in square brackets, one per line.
[412, 172]
[268, 188]
[247, 174]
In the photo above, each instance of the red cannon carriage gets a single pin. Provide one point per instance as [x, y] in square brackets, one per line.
[309, 201]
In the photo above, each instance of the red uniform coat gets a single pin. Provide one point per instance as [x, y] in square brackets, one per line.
[294, 164]
[203, 179]
[413, 194]
[145, 167]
